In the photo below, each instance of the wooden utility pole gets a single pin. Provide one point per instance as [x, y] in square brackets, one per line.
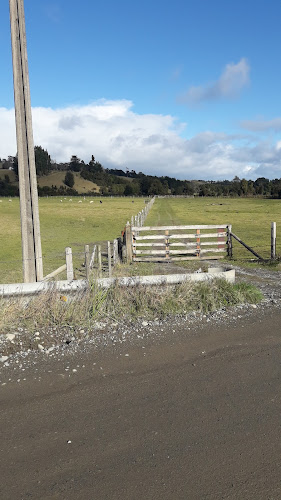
[30, 224]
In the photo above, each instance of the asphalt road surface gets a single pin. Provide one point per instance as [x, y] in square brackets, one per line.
[196, 416]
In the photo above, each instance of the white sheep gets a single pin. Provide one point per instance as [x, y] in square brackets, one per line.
[91, 201]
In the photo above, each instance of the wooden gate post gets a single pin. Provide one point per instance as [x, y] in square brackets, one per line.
[198, 246]
[229, 241]
[167, 243]
[273, 240]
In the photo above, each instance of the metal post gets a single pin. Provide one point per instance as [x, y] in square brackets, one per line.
[30, 224]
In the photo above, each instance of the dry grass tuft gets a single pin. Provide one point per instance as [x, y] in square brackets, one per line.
[127, 303]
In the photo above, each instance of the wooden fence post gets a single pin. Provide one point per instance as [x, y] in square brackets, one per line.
[69, 264]
[109, 258]
[93, 257]
[229, 241]
[87, 261]
[115, 252]
[198, 246]
[129, 242]
[99, 259]
[273, 240]
[167, 244]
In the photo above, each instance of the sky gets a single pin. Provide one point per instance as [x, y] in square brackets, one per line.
[185, 88]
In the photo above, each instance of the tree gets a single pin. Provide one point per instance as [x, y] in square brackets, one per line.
[69, 179]
[42, 161]
[75, 164]
[128, 190]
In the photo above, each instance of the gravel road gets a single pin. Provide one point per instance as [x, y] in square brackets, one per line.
[187, 408]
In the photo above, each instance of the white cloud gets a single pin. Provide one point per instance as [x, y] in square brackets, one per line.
[231, 82]
[119, 137]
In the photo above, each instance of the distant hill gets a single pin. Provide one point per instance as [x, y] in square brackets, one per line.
[92, 178]
[82, 186]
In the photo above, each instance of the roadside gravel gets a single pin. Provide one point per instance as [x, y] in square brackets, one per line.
[21, 350]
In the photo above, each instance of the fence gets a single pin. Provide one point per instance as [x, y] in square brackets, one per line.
[173, 243]
[97, 260]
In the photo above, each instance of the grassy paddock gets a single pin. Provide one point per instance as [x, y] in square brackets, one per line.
[76, 224]
[62, 224]
[250, 218]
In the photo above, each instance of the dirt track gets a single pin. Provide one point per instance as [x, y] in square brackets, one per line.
[194, 414]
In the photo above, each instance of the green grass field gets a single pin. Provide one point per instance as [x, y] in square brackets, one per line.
[62, 224]
[250, 218]
[76, 224]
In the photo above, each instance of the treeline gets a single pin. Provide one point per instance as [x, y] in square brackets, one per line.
[129, 183]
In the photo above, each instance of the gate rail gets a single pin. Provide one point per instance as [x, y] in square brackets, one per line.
[174, 243]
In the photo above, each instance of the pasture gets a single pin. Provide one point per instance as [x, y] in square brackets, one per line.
[63, 223]
[70, 223]
[250, 218]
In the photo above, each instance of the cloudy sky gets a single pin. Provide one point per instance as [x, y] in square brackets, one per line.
[186, 88]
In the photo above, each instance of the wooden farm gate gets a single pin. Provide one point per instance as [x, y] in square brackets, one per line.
[171, 243]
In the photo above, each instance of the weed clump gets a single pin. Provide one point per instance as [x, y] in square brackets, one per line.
[163, 301]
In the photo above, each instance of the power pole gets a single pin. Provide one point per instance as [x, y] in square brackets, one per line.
[29, 210]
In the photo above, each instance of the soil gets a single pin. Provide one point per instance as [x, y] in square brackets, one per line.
[186, 408]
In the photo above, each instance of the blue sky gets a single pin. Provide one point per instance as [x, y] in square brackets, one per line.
[184, 88]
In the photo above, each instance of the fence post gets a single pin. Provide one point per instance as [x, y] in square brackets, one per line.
[99, 260]
[87, 261]
[93, 257]
[109, 258]
[198, 246]
[69, 264]
[229, 241]
[115, 252]
[273, 240]
[167, 243]
[129, 242]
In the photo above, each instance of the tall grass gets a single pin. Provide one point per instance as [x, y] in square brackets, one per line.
[122, 303]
